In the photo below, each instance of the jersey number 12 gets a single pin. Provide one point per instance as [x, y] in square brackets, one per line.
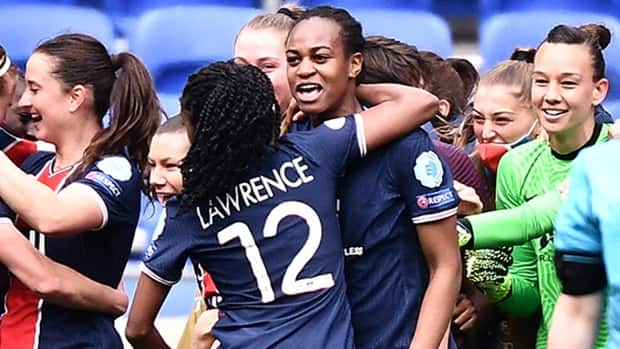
[290, 284]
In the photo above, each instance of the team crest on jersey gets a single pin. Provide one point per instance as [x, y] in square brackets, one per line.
[117, 167]
[428, 169]
[335, 124]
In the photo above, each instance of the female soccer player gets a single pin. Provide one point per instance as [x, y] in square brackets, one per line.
[259, 213]
[397, 206]
[568, 83]
[79, 205]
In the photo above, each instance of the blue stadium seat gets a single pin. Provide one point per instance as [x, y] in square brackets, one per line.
[420, 5]
[20, 36]
[170, 103]
[173, 42]
[492, 7]
[501, 34]
[423, 29]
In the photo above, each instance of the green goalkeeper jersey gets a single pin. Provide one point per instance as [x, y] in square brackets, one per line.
[525, 172]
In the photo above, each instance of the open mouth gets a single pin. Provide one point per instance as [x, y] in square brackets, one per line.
[163, 197]
[554, 114]
[308, 92]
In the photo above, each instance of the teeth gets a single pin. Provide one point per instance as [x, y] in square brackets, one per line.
[308, 87]
[553, 112]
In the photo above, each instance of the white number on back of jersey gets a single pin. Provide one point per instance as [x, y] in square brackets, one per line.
[290, 284]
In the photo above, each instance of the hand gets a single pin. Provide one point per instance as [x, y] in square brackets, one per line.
[470, 202]
[122, 300]
[465, 233]
[563, 187]
[202, 337]
[464, 314]
[488, 270]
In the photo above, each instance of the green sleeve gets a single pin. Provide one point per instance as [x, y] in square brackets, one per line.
[524, 299]
[515, 226]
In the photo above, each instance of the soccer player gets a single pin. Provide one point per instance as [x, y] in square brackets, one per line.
[568, 83]
[259, 214]
[80, 205]
[397, 208]
[586, 243]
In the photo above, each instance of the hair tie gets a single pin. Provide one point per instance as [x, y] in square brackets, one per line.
[116, 62]
[525, 55]
[287, 12]
[5, 64]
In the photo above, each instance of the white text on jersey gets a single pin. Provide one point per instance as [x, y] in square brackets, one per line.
[292, 174]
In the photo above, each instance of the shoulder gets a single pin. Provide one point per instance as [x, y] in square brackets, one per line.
[117, 167]
[525, 153]
[601, 153]
[36, 161]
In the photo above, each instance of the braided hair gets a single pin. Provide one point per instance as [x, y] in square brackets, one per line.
[234, 117]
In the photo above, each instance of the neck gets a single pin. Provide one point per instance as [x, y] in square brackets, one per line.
[70, 149]
[349, 104]
[570, 140]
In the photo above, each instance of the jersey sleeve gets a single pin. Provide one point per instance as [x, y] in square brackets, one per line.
[115, 183]
[6, 214]
[337, 142]
[165, 257]
[524, 299]
[423, 179]
[577, 237]
[515, 226]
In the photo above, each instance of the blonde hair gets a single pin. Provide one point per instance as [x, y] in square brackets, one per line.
[281, 20]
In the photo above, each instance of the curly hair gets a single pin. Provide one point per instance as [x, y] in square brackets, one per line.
[234, 118]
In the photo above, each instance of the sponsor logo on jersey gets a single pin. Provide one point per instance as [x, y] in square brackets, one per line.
[428, 169]
[354, 251]
[105, 181]
[116, 167]
[435, 199]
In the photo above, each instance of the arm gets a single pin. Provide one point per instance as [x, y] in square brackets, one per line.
[55, 282]
[147, 301]
[579, 264]
[43, 209]
[575, 321]
[397, 110]
[440, 248]
[514, 226]
[523, 297]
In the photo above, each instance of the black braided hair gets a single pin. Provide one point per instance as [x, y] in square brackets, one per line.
[234, 117]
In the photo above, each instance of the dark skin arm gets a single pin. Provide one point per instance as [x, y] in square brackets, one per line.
[148, 299]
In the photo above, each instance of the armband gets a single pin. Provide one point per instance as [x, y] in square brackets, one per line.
[580, 275]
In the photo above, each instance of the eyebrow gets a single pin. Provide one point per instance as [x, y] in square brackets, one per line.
[568, 74]
[313, 49]
[32, 82]
[504, 111]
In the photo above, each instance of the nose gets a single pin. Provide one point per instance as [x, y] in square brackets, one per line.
[552, 94]
[156, 179]
[25, 101]
[487, 130]
[305, 68]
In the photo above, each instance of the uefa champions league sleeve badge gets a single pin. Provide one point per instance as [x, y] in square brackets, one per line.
[428, 169]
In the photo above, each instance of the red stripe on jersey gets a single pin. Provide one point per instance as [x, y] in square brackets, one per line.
[20, 150]
[19, 328]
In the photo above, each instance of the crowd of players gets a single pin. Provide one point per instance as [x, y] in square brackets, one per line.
[331, 191]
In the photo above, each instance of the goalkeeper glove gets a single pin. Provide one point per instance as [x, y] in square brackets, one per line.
[488, 270]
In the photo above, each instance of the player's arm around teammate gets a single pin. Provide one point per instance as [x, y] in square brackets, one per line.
[53, 281]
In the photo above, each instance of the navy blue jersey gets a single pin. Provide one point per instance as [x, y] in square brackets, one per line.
[381, 201]
[100, 254]
[272, 245]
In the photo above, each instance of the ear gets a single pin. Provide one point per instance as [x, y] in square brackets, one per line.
[444, 107]
[356, 63]
[600, 91]
[77, 96]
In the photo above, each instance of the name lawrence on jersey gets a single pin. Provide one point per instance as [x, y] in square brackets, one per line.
[291, 174]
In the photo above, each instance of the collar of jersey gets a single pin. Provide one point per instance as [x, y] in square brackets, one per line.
[572, 155]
